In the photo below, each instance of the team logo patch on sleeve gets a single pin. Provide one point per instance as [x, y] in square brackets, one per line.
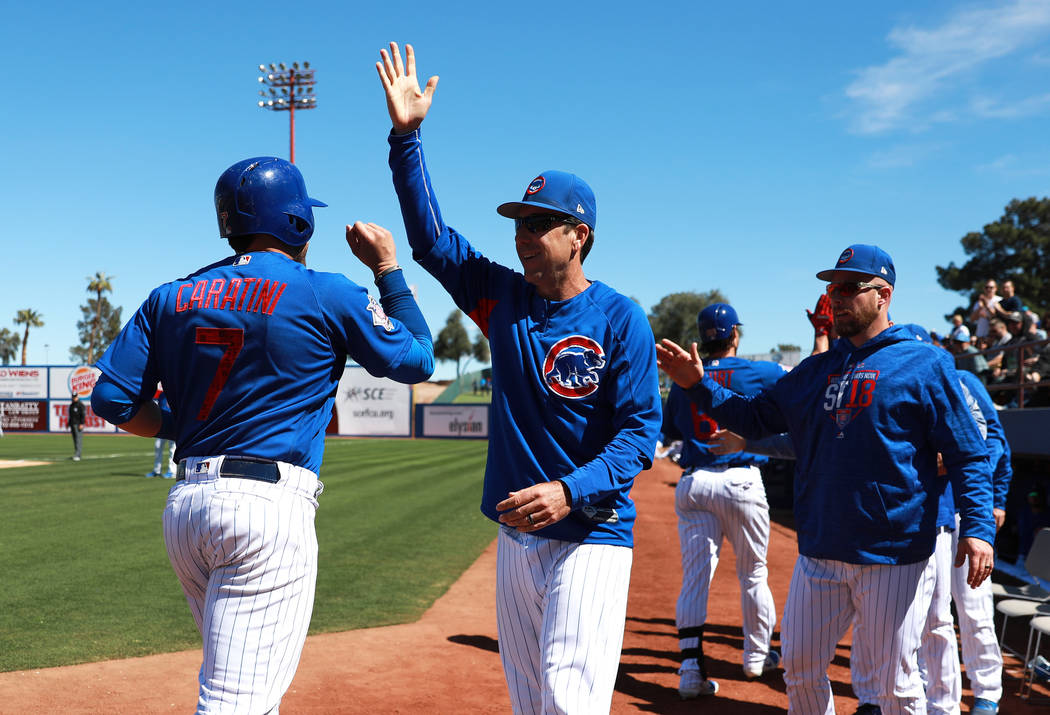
[572, 366]
[379, 317]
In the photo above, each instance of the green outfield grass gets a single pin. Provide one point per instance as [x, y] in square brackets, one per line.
[485, 397]
[84, 575]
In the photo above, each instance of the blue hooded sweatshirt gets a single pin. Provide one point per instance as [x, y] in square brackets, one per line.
[866, 424]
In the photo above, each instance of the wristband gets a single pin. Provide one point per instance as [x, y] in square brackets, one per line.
[387, 272]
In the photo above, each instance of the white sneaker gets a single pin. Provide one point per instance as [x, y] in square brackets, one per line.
[771, 663]
[692, 684]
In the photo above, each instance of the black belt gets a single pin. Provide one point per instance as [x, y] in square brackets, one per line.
[944, 529]
[262, 470]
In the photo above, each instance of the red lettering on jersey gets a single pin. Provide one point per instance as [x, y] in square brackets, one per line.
[215, 291]
[480, 314]
[703, 425]
[722, 377]
[247, 286]
[273, 301]
[231, 294]
[179, 305]
[265, 290]
[199, 289]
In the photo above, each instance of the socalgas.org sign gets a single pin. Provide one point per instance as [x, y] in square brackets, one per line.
[367, 406]
[453, 421]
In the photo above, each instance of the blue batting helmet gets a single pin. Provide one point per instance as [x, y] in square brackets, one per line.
[265, 195]
[716, 322]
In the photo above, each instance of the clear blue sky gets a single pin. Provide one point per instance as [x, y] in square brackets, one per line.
[738, 146]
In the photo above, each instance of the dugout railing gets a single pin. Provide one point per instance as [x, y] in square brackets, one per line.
[1014, 388]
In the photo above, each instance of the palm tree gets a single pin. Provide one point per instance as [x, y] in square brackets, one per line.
[98, 285]
[31, 319]
[8, 346]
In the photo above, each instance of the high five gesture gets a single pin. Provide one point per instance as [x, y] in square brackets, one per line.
[407, 104]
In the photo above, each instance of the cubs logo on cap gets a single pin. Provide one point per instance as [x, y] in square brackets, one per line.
[573, 367]
[558, 191]
[863, 259]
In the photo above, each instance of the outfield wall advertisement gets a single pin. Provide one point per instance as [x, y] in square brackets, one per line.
[36, 398]
[23, 415]
[367, 406]
[23, 382]
[466, 421]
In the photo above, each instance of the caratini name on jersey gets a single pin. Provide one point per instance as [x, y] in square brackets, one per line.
[251, 295]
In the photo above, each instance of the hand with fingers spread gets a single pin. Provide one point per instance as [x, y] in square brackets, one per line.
[373, 245]
[535, 507]
[821, 318]
[685, 368]
[407, 104]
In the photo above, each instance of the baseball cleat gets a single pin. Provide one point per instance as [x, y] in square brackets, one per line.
[868, 709]
[153, 474]
[693, 684]
[169, 475]
[771, 662]
[983, 705]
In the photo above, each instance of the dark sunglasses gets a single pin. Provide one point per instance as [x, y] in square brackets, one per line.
[541, 223]
[849, 289]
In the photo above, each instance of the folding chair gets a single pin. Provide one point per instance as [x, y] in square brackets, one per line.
[1025, 600]
[1039, 625]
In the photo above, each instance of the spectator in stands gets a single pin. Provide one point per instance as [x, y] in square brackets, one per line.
[983, 309]
[1010, 302]
[966, 355]
[959, 328]
[1035, 330]
[998, 336]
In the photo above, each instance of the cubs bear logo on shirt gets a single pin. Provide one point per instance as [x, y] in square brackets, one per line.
[572, 366]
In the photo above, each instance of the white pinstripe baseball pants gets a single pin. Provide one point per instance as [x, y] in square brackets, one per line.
[560, 608]
[730, 504]
[980, 647]
[887, 605]
[245, 552]
[939, 652]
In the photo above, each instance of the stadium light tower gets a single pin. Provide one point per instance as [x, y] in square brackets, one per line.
[290, 88]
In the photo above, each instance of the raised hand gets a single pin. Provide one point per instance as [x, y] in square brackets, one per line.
[407, 104]
[821, 318]
[373, 245]
[685, 368]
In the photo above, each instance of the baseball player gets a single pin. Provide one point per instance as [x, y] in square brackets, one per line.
[575, 416]
[250, 350]
[720, 497]
[160, 446]
[866, 419]
[974, 607]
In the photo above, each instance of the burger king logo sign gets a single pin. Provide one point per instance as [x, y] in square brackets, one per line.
[82, 380]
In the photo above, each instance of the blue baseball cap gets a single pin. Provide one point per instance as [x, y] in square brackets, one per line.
[559, 191]
[862, 258]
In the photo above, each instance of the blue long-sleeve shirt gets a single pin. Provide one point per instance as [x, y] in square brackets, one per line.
[575, 394]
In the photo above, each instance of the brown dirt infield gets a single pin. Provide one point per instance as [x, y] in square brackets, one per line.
[447, 661]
